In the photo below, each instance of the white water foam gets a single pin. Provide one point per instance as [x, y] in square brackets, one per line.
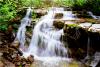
[22, 29]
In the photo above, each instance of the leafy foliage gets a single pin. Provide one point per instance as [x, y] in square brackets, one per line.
[34, 3]
[94, 6]
[80, 2]
[7, 12]
[3, 27]
[34, 15]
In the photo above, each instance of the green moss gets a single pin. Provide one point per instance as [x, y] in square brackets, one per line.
[73, 26]
[34, 15]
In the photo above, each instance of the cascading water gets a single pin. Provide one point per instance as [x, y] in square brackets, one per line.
[46, 40]
[93, 16]
[45, 44]
[22, 29]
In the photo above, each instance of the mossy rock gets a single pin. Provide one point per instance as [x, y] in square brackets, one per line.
[68, 27]
[58, 24]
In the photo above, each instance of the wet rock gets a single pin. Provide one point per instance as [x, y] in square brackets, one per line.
[69, 22]
[95, 28]
[67, 9]
[94, 34]
[94, 41]
[81, 20]
[29, 35]
[30, 59]
[58, 16]
[40, 12]
[85, 20]
[22, 11]
[16, 43]
[14, 55]
[11, 53]
[26, 62]
[82, 14]
[6, 37]
[72, 30]
[58, 24]
[76, 37]
[85, 26]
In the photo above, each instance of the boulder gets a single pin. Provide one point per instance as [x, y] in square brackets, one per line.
[40, 12]
[76, 37]
[94, 35]
[95, 28]
[58, 24]
[30, 59]
[16, 43]
[85, 25]
[58, 15]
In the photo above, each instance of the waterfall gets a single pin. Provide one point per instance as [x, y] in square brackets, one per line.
[22, 29]
[45, 43]
[46, 40]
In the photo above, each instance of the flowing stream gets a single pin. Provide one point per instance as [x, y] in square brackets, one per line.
[46, 45]
[22, 29]
[46, 39]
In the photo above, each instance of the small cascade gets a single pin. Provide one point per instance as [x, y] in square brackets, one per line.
[68, 15]
[87, 58]
[46, 39]
[22, 29]
[96, 59]
[46, 44]
[91, 60]
[93, 16]
[88, 47]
